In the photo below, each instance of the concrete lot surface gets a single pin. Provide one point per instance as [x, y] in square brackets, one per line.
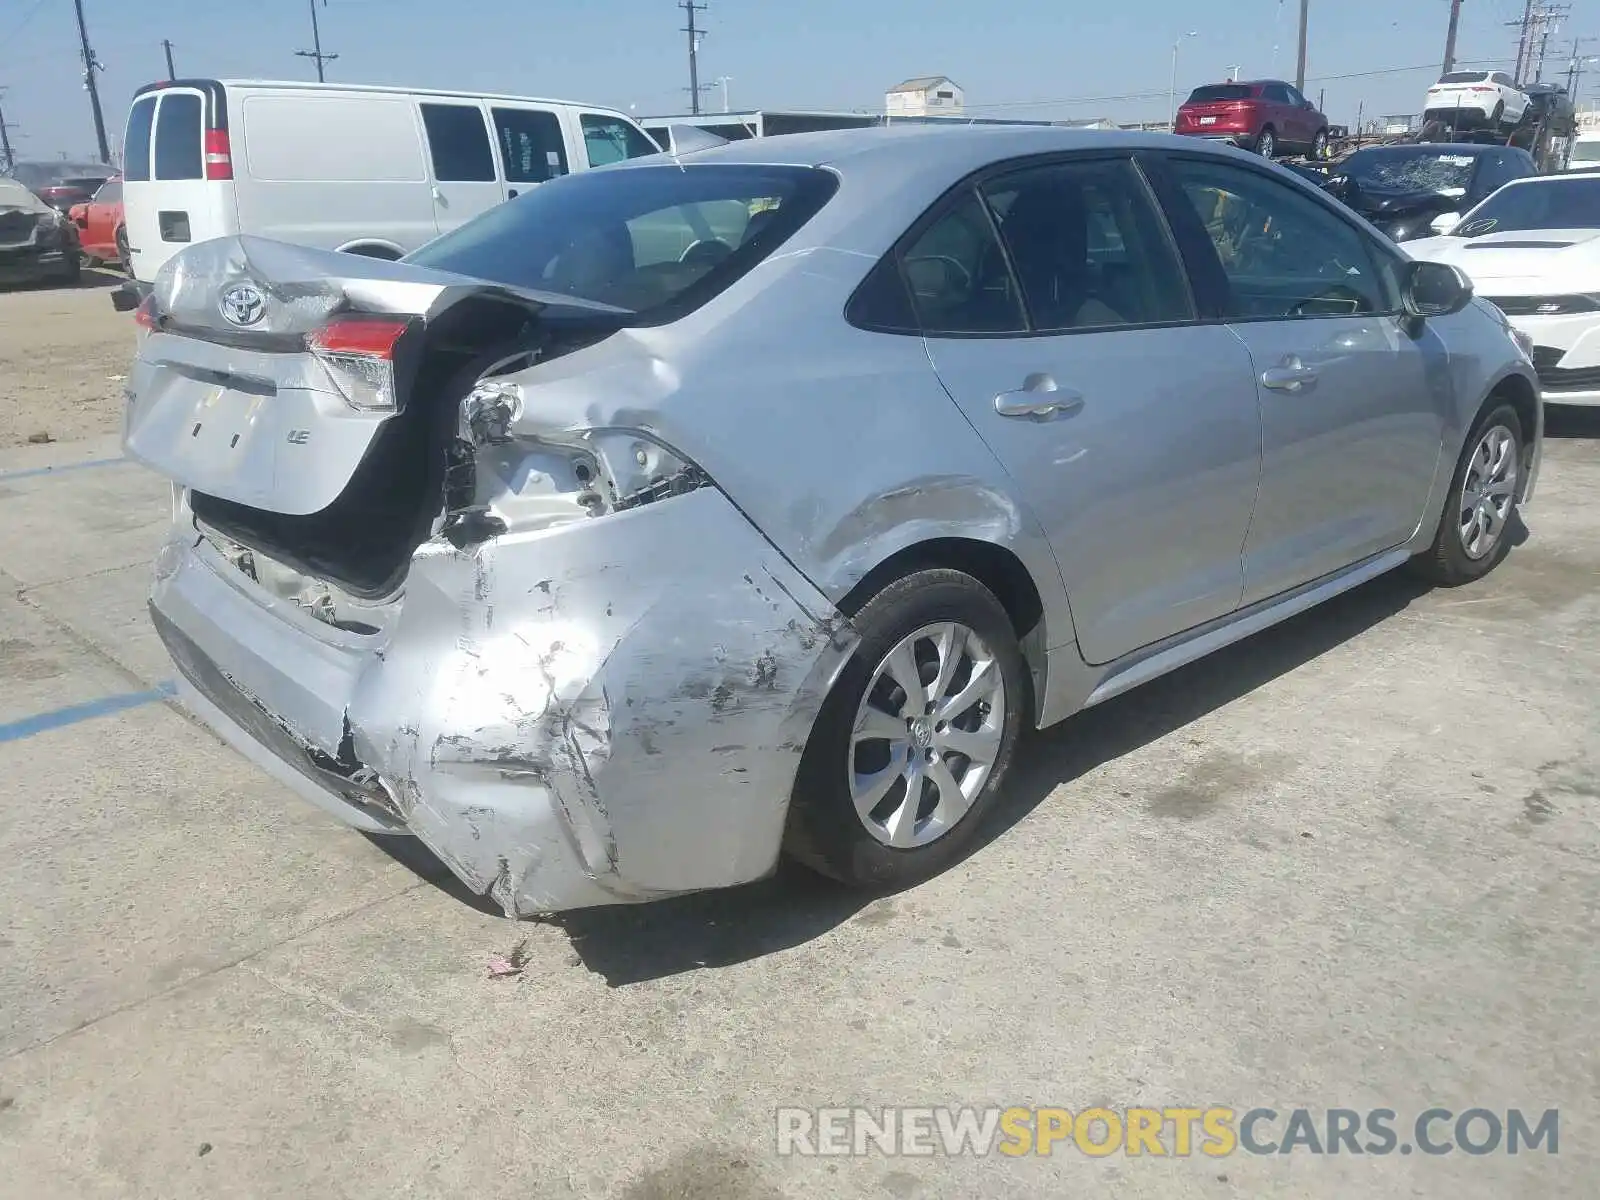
[1353, 863]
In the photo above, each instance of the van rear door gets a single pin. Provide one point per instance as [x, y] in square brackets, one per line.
[179, 173]
[465, 182]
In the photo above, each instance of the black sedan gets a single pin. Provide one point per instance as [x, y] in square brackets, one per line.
[1404, 190]
[36, 241]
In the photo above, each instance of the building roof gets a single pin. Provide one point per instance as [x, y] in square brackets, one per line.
[920, 84]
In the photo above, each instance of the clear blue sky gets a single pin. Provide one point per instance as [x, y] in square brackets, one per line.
[1046, 58]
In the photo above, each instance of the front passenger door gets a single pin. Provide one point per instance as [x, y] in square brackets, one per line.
[531, 145]
[1354, 399]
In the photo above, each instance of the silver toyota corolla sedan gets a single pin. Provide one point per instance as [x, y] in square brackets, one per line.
[690, 511]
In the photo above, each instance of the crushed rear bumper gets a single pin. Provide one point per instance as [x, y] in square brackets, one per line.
[607, 711]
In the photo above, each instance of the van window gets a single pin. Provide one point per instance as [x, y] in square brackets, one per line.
[531, 144]
[136, 143]
[611, 139]
[178, 137]
[460, 143]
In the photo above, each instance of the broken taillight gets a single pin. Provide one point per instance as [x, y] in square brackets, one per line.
[219, 155]
[359, 355]
[145, 315]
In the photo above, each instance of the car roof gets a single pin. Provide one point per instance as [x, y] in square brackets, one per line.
[961, 148]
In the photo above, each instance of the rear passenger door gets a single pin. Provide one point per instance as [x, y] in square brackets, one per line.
[464, 180]
[533, 149]
[1057, 315]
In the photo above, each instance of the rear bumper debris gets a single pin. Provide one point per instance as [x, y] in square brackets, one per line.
[606, 711]
[128, 295]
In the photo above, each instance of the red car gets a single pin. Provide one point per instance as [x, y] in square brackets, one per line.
[1266, 115]
[100, 227]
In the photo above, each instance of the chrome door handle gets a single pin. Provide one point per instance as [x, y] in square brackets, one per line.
[1291, 375]
[438, 195]
[1039, 396]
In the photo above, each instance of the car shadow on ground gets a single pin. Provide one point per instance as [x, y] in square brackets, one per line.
[634, 944]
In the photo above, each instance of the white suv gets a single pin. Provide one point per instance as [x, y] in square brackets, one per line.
[1474, 99]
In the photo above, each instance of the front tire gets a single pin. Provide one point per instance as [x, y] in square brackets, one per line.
[1474, 529]
[913, 743]
[1267, 143]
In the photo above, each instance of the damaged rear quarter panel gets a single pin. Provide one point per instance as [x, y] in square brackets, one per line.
[634, 691]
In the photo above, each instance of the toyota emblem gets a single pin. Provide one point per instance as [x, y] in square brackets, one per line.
[243, 304]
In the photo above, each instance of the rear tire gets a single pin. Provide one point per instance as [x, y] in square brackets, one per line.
[1267, 143]
[1497, 119]
[1319, 146]
[1480, 510]
[123, 257]
[884, 798]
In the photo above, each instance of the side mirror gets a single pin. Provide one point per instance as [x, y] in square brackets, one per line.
[1433, 289]
[1445, 222]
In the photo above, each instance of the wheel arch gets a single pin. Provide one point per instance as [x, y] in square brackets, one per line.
[374, 248]
[995, 565]
[1518, 391]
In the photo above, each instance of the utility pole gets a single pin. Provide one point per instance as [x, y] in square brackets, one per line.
[1549, 22]
[316, 42]
[1522, 44]
[1300, 69]
[7, 158]
[1450, 37]
[166, 44]
[690, 7]
[91, 64]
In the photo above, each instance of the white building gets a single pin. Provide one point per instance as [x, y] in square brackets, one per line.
[925, 96]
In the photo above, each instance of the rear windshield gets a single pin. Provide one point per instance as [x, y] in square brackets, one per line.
[1553, 204]
[1464, 77]
[657, 241]
[1221, 91]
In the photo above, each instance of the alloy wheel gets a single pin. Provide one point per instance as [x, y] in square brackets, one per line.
[926, 735]
[1488, 492]
[1266, 143]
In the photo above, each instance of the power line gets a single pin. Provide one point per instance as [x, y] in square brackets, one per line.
[316, 42]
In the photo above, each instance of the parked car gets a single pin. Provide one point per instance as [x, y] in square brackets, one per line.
[1585, 153]
[370, 170]
[571, 545]
[1265, 115]
[37, 243]
[100, 226]
[62, 184]
[1533, 248]
[1549, 103]
[1413, 191]
[1475, 100]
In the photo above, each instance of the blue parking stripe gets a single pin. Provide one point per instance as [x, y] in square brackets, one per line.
[71, 715]
[30, 472]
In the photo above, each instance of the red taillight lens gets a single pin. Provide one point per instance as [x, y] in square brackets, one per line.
[359, 355]
[374, 336]
[145, 315]
[219, 155]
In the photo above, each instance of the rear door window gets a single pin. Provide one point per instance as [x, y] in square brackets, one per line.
[1089, 247]
[179, 140]
[611, 139]
[530, 144]
[136, 143]
[459, 141]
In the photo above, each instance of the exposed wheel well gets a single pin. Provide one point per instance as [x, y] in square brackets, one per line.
[1516, 391]
[994, 566]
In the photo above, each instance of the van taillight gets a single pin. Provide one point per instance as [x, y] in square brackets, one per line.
[359, 355]
[219, 155]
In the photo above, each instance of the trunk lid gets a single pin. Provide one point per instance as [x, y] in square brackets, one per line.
[258, 380]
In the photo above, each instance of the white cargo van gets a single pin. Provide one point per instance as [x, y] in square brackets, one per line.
[371, 170]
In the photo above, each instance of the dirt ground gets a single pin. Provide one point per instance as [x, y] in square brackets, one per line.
[64, 356]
